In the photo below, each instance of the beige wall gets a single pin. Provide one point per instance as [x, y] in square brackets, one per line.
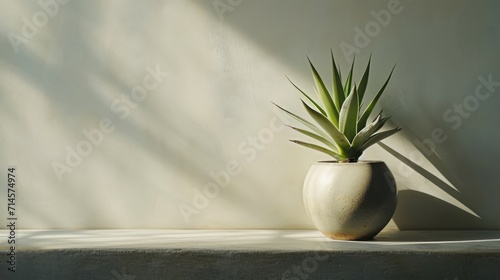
[123, 114]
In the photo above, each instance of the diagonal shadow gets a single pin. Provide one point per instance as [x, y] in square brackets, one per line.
[428, 175]
[414, 208]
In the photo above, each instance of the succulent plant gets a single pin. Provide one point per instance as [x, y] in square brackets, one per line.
[341, 120]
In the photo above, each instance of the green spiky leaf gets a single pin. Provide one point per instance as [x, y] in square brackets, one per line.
[364, 81]
[309, 98]
[368, 131]
[339, 138]
[348, 118]
[348, 82]
[371, 106]
[330, 109]
[378, 137]
[320, 149]
[338, 90]
[303, 121]
[320, 138]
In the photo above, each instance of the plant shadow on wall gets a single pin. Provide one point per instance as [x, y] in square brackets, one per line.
[421, 210]
[445, 189]
[446, 174]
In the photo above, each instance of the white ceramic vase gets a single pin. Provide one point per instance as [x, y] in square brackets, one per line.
[350, 201]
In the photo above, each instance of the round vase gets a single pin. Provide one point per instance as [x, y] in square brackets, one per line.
[350, 201]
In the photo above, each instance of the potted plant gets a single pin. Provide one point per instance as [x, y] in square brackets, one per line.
[346, 198]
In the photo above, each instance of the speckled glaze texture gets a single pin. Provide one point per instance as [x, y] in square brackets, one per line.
[350, 201]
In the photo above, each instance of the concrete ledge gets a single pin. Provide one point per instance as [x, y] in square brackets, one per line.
[250, 254]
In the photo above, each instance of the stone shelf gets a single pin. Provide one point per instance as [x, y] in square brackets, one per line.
[250, 254]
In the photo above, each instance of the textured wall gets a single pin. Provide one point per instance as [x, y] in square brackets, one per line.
[158, 114]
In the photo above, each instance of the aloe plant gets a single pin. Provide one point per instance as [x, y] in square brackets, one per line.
[342, 125]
